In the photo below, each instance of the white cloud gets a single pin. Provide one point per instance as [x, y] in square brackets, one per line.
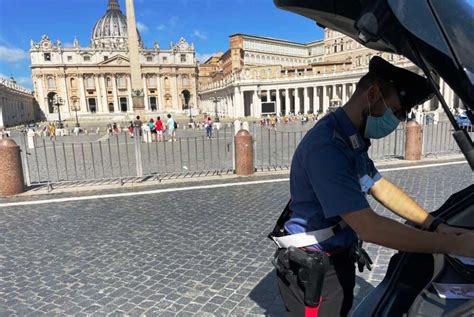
[161, 27]
[203, 57]
[9, 54]
[142, 27]
[200, 35]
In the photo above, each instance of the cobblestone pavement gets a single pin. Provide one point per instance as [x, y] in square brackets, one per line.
[190, 253]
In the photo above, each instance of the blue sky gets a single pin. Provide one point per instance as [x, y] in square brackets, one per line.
[206, 23]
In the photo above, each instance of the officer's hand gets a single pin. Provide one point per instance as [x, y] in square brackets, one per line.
[464, 244]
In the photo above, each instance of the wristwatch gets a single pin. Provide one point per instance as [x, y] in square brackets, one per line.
[435, 223]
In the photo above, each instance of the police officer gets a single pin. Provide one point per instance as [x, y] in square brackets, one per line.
[331, 174]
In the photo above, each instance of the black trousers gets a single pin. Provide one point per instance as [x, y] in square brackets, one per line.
[337, 294]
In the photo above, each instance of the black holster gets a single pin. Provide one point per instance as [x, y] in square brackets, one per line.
[308, 268]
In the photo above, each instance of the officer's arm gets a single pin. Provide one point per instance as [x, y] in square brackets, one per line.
[394, 199]
[380, 230]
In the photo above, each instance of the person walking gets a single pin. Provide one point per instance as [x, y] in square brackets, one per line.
[52, 131]
[208, 127]
[328, 215]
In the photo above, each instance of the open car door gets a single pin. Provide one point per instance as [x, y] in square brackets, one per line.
[436, 35]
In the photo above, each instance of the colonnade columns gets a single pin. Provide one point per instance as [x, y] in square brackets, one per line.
[103, 89]
[344, 93]
[324, 98]
[305, 100]
[100, 107]
[114, 87]
[83, 101]
[297, 101]
[278, 103]
[287, 101]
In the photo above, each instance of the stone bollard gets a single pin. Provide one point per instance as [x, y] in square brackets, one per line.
[413, 142]
[11, 170]
[244, 153]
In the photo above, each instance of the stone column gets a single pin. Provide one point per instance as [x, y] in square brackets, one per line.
[134, 55]
[129, 94]
[344, 93]
[287, 101]
[66, 106]
[315, 100]
[103, 90]
[160, 95]
[306, 100]
[145, 93]
[114, 92]
[174, 92]
[98, 94]
[257, 105]
[297, 101]
[325, 99]
[278, 103]
[83, 100]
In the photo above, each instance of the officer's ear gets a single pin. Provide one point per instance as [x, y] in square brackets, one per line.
[373, 94]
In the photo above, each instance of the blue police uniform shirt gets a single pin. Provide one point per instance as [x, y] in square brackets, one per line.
[331, 174]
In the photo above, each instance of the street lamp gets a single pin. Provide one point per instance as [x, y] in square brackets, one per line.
[58, 101]
[216, 100]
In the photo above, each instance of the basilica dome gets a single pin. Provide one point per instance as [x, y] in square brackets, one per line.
[110, 31]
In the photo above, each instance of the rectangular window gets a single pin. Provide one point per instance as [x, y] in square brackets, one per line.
[106, 57]
[69, 58]
[47, 57]
[122, 82]
[183, 58]
[149, 59]
[165, 59]
[87, 58]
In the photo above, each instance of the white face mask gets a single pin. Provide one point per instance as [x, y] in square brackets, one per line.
[380, 127]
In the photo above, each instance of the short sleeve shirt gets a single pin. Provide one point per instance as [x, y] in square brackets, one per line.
[170, 124]
[331, 175]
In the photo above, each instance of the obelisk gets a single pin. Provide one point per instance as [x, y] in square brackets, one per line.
[134, 55]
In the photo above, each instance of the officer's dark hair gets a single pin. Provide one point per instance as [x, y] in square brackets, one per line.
[369, 79]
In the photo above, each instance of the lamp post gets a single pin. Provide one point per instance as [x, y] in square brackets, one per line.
[216, 100]
[75, 109]
[58, 101]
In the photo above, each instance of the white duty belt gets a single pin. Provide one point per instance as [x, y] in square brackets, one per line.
[305, 239]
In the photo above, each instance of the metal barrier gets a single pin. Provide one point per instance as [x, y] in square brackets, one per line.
[121, 158]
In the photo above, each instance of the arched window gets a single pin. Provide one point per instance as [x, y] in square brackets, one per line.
[73, 83]
[109, 82]
[167, 82]
[51, 83]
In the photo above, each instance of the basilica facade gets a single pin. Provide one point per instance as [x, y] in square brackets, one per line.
[96, 80]
[264, 76]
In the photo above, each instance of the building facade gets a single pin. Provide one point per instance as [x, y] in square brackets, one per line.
[263, 76]
[17, 104]
[96, 80]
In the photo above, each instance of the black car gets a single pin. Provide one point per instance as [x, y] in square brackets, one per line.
[437, 36]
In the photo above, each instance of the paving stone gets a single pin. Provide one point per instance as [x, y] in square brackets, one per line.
[124, 255]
